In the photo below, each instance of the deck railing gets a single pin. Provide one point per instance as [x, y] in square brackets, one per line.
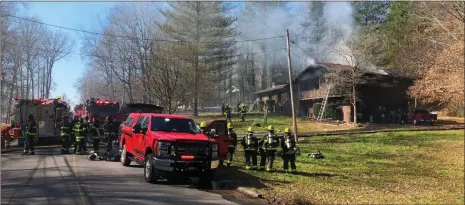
[320, 93]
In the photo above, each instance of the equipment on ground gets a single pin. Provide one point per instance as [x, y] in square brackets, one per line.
[112, 155]
[46, 112]
[317, 155]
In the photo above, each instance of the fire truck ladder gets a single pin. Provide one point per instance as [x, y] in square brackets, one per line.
[325, 101]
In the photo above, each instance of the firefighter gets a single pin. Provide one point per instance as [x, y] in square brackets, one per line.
[95, 135]
[269, 145]
[232, 144]
[250, 144]
[31, 135]
[86, 124]
[80, 131]
[73, 134]
[289, 148]
[228, 112]
[203, 126]
[223, 108]
[111, 128]
[6, 137]
[243, 111]
[66, 127]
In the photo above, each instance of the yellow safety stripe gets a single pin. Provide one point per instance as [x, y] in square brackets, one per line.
[271, 148]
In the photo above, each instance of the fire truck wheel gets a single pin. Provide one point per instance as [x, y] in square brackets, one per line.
[125, 161]
[150, 172]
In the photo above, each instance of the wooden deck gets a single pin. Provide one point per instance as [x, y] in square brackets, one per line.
[320, 93]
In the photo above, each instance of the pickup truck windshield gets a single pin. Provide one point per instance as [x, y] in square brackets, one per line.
[174, 125]
[140, 108]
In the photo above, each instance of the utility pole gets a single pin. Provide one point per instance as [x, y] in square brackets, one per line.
[294, 124]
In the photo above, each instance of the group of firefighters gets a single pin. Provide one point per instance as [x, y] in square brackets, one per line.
[267, 147]
[241, 109]
[74, 134]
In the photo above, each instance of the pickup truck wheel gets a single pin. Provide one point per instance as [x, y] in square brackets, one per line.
[125, 161]
[150, 172]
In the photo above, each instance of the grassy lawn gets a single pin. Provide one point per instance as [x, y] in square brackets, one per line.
[278, 121]
[382, 168]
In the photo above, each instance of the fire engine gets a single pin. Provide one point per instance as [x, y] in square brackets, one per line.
[47, 113]
[100, 109]
[79, 110]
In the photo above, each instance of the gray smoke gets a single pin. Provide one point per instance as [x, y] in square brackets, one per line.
[275, 22]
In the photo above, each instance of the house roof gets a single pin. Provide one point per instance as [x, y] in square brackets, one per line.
[331, 66]
[276, 87]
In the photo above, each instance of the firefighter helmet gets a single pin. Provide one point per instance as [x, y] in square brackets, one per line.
[249, 129]
[230, 126]
[287, 130]
[271, 128]
[203, 124]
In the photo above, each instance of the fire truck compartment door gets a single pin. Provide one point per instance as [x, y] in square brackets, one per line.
[47, 116]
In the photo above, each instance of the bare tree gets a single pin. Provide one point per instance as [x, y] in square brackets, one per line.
[167, 76]
[357, 53]
[56, 45]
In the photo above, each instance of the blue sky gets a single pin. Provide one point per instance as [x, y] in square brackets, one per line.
[73, 15]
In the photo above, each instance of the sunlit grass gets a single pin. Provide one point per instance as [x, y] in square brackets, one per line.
[278, 121]
[382, 168]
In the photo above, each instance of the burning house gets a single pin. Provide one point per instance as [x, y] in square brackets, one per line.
[378, 99]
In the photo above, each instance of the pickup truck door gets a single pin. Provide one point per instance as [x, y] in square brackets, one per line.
[137, 140]
[223, 139]
[142, 137]
[126, 133]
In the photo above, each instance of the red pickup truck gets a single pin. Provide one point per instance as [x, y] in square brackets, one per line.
[417, 116]
[172, 146]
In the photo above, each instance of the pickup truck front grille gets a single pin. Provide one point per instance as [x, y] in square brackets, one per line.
[198, 149]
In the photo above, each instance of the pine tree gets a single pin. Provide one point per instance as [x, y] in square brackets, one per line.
[206, 32]
[316, 31]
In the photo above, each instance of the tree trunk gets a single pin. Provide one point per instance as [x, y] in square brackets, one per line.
[354, 102]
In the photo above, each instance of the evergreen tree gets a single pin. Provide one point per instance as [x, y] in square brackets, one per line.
[206, 33]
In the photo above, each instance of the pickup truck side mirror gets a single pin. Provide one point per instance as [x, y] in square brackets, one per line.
[213, 133]
[136, 128]
[144, 130]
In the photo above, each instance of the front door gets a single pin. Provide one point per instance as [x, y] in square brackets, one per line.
[137, 139]
[223, 139]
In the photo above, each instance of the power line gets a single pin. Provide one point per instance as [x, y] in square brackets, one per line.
[299, 57]
[98, 56]
[302, 49]
[131, 38]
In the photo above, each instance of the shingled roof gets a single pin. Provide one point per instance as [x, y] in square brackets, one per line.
[276, 87]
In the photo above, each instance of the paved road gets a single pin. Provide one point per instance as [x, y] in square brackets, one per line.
[51, 178]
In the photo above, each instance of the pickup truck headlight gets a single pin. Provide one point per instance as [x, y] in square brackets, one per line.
[214, 150]
[164, 149]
